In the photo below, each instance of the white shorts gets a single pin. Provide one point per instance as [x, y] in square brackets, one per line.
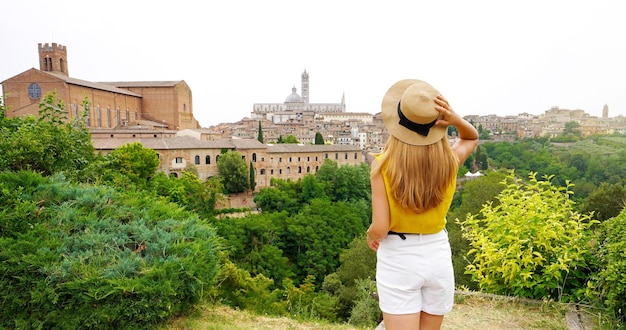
[415, 274]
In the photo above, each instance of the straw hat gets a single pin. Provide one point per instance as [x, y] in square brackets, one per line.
[409, 112]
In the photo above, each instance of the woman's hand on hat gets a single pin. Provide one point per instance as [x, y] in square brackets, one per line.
[447, 115]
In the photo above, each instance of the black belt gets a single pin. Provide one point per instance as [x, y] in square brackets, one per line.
[402, 235]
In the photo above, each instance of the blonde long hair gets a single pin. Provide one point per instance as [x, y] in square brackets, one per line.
[418, 175]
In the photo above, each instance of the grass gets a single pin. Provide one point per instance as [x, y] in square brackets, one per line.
[471, 311]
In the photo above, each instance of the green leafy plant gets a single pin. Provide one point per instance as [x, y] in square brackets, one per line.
[608, 286]
[82, 256]
[48, 144]
[532, 244]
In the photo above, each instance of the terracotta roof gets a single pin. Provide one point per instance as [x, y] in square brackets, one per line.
[123, 84]
[179, 142]
[248, 144]
[292, 147]
[90, 84]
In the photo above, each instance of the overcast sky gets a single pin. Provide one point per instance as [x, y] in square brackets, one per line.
[486, 57]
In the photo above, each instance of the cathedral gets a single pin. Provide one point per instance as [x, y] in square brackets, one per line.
[296, 108]
[163, 105]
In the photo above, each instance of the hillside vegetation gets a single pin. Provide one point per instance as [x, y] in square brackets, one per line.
[91, 241]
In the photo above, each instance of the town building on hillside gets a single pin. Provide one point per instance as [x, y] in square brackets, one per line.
[190, 151]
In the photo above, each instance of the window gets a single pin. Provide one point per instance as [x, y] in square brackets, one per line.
[308, 169]
[207, 159]
[254, 157]
[299, 169]
[345, 156]
[262, 171]
[290, 159]
[280, 171]
[336, 156]
[34, 91]
[197, 160]
[356, 155]
[280, 159]
[308, 159]
[288, 170]
[272, 171]
[217, 158]
[179, 160]
[326, 155]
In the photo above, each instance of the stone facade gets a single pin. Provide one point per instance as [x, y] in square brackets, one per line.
[280, 161]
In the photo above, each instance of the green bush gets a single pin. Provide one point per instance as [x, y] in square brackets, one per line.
[609, 281]
[366, 312]
[532, 244]
[79, 256]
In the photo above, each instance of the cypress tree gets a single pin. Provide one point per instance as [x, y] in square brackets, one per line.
[252, 181]
[319, 139]
[260, 134]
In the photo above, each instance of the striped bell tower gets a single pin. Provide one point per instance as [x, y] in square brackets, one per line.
[305, 87]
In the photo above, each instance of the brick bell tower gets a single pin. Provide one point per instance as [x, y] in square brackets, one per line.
[53, 58]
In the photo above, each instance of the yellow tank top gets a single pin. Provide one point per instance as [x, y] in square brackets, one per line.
[432, 221]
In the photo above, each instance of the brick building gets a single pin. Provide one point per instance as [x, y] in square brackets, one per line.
[159, 104]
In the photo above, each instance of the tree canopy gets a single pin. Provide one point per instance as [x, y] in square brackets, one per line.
[233, 171]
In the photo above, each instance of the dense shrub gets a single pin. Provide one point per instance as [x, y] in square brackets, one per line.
[532, 244]
[75, 257]
[609, 281]
[47, 144]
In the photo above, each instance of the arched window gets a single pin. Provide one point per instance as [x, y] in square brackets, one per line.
[197, 160]
[308, 169]
[299, 169]
[254, 157]
[288, 170]
[262, 171]
[207, 159]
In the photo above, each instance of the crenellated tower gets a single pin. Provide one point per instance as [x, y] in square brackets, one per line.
[53, 58]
